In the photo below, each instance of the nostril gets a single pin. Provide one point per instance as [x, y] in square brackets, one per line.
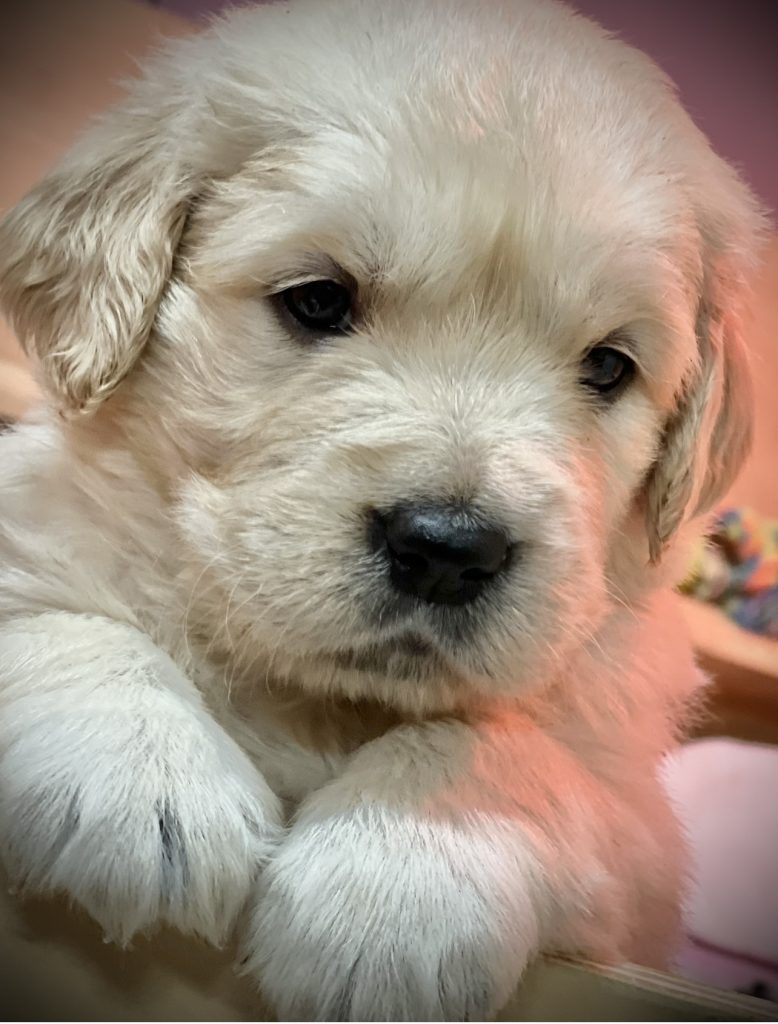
[408, 560]
[496, 561]
[384, 540]
[477, 575]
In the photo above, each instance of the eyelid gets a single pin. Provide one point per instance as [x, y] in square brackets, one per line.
[622, 340]
[285, 285]
[307, 268]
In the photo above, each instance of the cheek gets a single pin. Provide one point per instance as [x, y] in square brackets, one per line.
[199, 515]
[226, 366]
[629, 444]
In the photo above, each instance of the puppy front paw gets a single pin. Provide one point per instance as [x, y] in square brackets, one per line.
[370, 916]
[145, 814]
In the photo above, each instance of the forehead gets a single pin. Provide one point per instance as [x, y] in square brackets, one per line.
[451, 142]
[436, 202]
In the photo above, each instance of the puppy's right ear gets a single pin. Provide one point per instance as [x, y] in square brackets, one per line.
[708, 437]
[85, 257]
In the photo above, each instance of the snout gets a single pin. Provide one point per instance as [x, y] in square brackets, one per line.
[440, 554]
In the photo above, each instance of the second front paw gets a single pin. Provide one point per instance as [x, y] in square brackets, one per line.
[145, 820]
[369, 916]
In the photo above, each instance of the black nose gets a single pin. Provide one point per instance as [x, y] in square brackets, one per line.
[441, 555]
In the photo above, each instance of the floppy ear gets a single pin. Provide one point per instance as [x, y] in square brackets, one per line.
[84, 258]
[708, 437]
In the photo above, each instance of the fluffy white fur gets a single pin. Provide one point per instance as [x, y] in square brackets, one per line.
[203, 707]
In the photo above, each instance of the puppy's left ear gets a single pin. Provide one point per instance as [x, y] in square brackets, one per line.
[709, 435]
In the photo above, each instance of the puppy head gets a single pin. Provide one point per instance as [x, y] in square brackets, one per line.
[436, 307]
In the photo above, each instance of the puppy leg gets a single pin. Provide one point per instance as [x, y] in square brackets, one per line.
[117, 788]
[417, 885]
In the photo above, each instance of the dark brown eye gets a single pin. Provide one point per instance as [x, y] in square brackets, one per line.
[606, 371]
[321, 306]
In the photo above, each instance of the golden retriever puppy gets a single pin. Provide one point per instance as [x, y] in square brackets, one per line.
[392, 349]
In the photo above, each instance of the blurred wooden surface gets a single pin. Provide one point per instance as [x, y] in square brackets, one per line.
[742, 701]
[57, 967]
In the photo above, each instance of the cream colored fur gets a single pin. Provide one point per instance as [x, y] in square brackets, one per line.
[205, 718]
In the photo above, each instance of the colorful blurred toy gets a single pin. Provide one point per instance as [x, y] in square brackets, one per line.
[736, 568]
